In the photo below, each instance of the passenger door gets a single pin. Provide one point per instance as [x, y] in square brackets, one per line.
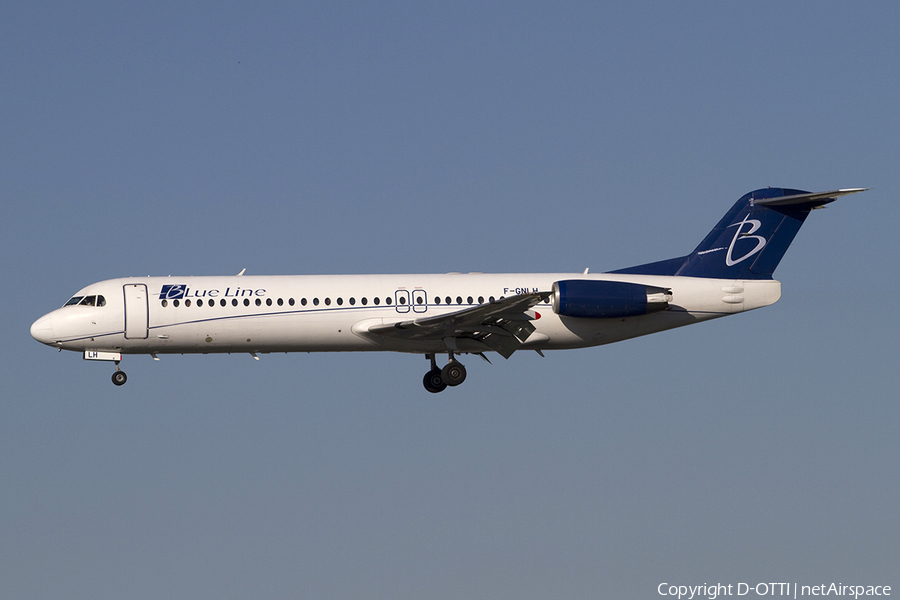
[137, 319]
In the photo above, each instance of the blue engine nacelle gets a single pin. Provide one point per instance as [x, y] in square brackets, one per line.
[589, 299]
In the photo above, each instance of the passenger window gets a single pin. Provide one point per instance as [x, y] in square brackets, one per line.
[437, 299]
[459, 299]
[449, 301]
[469, 300]
[491, 299]
[268, 302]
[187, 302]
[387, 300]
[402, 300]
[165, 303]
[222, 302]
[315, 301]
[419, 300]
[233, 302]
[352, 301]
[377, 300]
[280, 302]
[258, 302]
[199, 302]
[480, 299]
[175, 303]
[303, 301]
[246, 301]
[340, 301]
[364, 301]
[327, 301]
[291, 301]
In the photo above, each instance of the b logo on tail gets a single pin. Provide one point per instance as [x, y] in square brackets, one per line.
[760, 240]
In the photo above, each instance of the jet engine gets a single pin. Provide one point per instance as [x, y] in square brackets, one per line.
[591, 299]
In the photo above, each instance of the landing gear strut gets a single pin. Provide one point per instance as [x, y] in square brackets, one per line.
[436, 380]
[119, 377]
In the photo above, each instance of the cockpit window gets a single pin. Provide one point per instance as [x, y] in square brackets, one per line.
[87, 301]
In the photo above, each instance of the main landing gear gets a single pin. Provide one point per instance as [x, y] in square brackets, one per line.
[436, 380]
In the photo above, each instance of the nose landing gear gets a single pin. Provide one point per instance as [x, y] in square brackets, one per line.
[119, 377]
[436, 380]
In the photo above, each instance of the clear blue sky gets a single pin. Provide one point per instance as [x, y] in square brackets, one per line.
[336, 137]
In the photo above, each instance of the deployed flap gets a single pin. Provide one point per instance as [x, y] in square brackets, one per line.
[502, 325]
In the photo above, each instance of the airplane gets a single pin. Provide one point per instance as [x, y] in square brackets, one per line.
[729, 272]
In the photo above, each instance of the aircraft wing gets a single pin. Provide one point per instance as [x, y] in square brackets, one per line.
[502, 325]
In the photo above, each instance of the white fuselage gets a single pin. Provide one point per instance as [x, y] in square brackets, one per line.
[331, 313]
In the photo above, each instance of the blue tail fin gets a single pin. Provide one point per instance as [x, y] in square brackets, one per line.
[751, 238]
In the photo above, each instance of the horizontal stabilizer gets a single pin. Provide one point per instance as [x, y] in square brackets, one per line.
[804, 198]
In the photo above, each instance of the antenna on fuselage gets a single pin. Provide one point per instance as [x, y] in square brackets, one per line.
[241, 273]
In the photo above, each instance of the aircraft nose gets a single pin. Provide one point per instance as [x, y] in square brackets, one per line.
[42, 330]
